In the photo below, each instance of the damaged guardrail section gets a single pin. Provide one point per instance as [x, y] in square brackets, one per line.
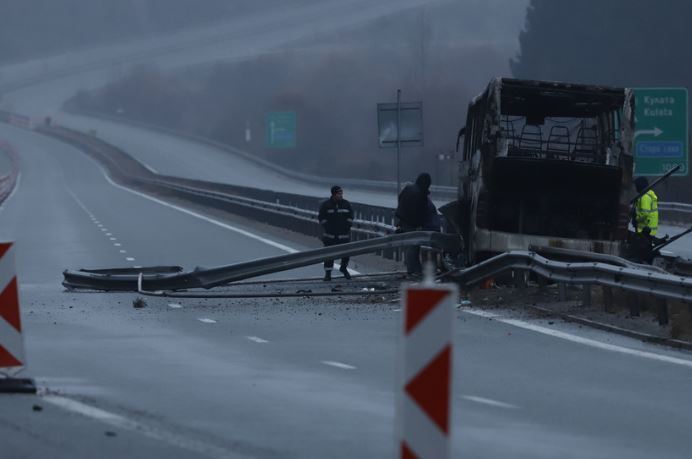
[653, 282]
[114, 280]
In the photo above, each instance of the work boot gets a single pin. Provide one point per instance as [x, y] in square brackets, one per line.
[327, 276]
[345, 272]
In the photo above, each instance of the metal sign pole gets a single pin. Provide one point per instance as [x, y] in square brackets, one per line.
[398, 142]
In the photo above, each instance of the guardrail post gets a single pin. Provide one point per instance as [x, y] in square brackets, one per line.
[562, 291]
[634, 306]
[662, 311]
[680, 319]
[608, 303]
[586, 295]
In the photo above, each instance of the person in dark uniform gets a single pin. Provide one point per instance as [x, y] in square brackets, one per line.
[411, 213]
[336, 218]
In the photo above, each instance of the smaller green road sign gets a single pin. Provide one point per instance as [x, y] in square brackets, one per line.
[281, 129]
[660, 136]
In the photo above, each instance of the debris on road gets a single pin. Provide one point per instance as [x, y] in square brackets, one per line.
[139, 303]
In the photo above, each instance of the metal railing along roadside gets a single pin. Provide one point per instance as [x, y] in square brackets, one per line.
[678, 212]
[672, 212]
[641, 280]
[292, 212]
[439, 192]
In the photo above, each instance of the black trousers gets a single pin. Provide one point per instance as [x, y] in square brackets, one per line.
[412, 252]
[329, 264]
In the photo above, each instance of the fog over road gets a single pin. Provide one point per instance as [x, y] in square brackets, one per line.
[280, 377]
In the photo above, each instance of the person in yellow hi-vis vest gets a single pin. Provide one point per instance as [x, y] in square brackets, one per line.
[646, 209]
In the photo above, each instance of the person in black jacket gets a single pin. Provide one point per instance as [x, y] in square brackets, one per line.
[336, 218]
[411, 214]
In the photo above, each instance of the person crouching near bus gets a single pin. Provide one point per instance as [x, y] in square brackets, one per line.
[645, 222]
[646, 209]
[336, 218]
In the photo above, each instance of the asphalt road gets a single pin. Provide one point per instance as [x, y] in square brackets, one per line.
[283, 378]
[277, 377]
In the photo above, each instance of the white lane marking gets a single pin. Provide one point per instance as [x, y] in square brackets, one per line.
[269, 242]
[151, 169]
[108, 234]
[104, 229]
[175, 305]
[123, 251]
[489, 402]
[129, 259]
[343, 366]
[264, 240]
[114, 239]
[580, 340]
[117, 244]
[206, 320]
[14, 190]
[121, 422]
[96, 222]
[257, 339]
[396, 310]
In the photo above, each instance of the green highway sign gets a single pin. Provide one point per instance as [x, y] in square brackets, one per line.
[281, 129]
[660, 137]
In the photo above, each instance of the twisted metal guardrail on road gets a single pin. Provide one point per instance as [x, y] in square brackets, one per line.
[223, 275]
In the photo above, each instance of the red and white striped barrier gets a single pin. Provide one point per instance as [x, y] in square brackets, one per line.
[424, 397]
[11, 341]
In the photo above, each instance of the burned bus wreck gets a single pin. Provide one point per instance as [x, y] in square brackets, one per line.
[544, 163]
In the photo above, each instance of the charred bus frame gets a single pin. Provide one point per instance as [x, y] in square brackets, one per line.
[544, 163]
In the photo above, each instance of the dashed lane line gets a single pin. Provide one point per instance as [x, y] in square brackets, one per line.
[235, 229]
[257, 339]
[206, 320]
[343, 366]
[489, 402]
[96, 222]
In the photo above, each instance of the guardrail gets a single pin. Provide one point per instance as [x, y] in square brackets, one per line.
[292, 212]
[672, 212]
[679, 212]
[441, 192]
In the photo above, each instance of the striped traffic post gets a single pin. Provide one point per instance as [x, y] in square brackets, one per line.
[12, 359]
[425, 385]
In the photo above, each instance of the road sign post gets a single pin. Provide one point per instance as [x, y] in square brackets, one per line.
[400, 125]
[660, 140]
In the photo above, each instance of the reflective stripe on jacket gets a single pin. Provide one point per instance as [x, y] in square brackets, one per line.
[336, 218]
[647, 212]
